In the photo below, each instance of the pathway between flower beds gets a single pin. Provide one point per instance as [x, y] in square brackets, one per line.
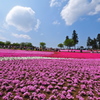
[16, 58]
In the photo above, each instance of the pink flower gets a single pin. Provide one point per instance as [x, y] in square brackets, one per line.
[26, 94]
[52, 97]
[41, 96]
[37, 90]
[18, 98]
[42, 87]
[5, 98]
[1, 94]
[62, 96]
[31, 88]
[50, 87]
[24, 89]
[55, 91]
[65, 88]
[57, 87]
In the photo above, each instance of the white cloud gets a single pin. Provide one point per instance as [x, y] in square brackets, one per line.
[96, 10]
[74, 9]
[56, 2]
[56, 22]
[21, 36]
[42, 34]
[2, 31]
[5, 26]
[2, 38]
[23, 18]
[99, 19]
[37, 25]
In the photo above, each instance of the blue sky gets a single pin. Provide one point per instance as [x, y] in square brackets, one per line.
[48, 21]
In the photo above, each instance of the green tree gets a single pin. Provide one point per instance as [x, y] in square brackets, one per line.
[15, 44]
[67, 37]
[98, 40]
[7, 43]
[60, 45]
[2, 43]
[22, 44]
[42, 45]
[28, 44]
[69, 42]
[75, 37]
[94, 43]
[89, 40]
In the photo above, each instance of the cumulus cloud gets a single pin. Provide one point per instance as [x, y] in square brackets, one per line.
[77, 8]
[96, 10]
[56, 22]
[21, 36]
[23, 18]
[56, 2]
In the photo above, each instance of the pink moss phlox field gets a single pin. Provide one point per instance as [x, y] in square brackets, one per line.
[74, 50]
[22, 53]
[76, 55]
[50, 79]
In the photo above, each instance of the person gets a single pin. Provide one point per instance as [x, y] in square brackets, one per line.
[97, 51]
[81, 50]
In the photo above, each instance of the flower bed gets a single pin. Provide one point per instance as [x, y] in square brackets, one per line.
[76, 55]
[50, 79]
[22, 53]
[74, 50]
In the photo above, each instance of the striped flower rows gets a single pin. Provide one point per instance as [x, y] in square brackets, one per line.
[24, 53]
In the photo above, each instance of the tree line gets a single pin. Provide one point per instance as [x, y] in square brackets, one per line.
[94, 43]
[9, 45]
[70, 42]
[22, 45]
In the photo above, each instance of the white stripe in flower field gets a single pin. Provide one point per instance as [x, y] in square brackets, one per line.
[18, 58]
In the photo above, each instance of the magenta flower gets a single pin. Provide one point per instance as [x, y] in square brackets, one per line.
[41, 96]
[50, 87]
[65, 88]
[37, 90]
[52, 97]
[57, 87]
[62, 96]
[1, 94]
[90, 93]
[15, 81]
[42, 87]
[82, 93]
[9, 88]
[60, 84]
[18, 98]
[69, 91]
[5, 98]
[31, 88]
[24, 89]
[26, 94]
